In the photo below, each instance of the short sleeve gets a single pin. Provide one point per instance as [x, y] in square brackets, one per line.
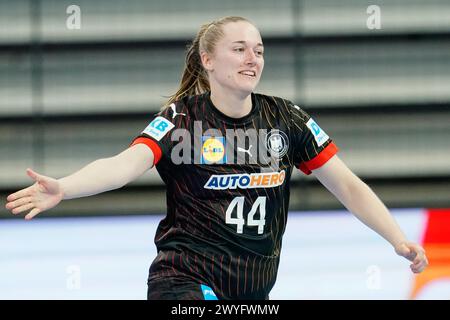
[312, 146]
[157, 134]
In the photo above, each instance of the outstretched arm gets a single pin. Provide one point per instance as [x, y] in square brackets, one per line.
[97, 177]
[360, 200]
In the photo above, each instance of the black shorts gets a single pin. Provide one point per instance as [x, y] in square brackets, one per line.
[174, 288]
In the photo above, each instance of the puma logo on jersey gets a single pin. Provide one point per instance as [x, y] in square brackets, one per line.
[245, 151]
[174, 111]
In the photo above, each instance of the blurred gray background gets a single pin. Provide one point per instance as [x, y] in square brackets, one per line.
[70, 96]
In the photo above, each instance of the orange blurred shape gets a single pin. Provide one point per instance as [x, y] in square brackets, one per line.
[436, 242]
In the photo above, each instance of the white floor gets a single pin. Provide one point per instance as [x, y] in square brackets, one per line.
[324, 256]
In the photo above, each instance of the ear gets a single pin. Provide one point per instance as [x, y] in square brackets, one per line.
[206, 61]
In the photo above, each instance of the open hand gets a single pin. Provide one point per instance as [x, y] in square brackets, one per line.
[44, 194]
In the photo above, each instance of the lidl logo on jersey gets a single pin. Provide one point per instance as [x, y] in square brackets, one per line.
[158, 128]
[213, 150]
[245, 181]
[319, 135]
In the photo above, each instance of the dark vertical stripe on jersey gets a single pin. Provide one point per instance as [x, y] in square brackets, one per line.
[274, 268]
[245, 274]
[221, 279]
[212, 268]
[187, 260]
[259, 273]
[218, 217]
[229, 276]
[253, 272]
[271, 125]
[173, 262]
[204, 264]
[237, 277]
[187, 118]
[263, 273]
[269, 264]
[278, 108]
[315, 150]
[284, 216]
[165, 260]
[195, 262]
[180, 191]
[269, 269]
[282, 115]
[277, 223]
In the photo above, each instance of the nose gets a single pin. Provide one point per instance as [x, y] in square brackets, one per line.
[250, 57]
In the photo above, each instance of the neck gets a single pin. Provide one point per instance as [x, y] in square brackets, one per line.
[232, 105]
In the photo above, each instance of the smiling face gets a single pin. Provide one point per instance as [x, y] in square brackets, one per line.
[237, 61]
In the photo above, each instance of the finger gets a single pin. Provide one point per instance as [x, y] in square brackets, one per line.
[32, 214]
[18, 203]
[407, 252]
[412, 253]
[420, 255]
[34, 175]
[417, 268]
[414, 268]
[23, 208]
[418, 260]
[421, 267]
[19, 194]
[422, 264]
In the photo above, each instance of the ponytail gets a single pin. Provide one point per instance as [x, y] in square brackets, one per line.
[194, 79]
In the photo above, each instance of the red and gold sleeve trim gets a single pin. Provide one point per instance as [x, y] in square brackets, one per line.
[319, 160]
[156, 149]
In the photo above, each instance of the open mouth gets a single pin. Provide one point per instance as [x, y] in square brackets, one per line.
[250, 74]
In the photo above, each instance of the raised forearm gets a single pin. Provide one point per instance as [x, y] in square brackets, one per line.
[108, 173]
[98, 176]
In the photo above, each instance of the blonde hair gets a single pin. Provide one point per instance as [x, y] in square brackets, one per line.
[194, 79]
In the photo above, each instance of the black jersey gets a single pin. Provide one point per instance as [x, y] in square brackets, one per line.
[228, 189]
